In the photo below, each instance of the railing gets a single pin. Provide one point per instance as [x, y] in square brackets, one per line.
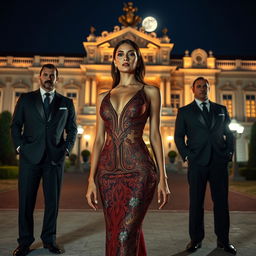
[72, 61]
[11, 61]
[226, 64]
[3, 61]
[248, 65]
[176, 62]
[53, 60]
[236, 64]
[63, 61]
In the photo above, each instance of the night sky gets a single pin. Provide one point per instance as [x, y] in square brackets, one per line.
[58, 27]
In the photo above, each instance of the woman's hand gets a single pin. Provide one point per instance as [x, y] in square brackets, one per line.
[91, 195]
[163, 193]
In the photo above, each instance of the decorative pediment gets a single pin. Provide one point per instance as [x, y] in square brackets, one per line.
[175, 85]
[154, 51]
[72, 85]
[20, 84]
[250, 87]
[227, 86]
[140, 37]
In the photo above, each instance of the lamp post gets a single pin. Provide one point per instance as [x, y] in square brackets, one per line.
[80, 131]
[237, 130]
[87, 137]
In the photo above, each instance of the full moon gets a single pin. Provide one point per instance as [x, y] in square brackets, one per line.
[150, 24]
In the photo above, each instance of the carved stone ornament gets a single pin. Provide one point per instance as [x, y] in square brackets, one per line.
[199, 57]
[129, 19]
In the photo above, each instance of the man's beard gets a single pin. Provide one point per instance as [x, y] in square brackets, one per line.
[49, 85]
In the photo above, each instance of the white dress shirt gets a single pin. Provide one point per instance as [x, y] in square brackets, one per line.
[199, 104]
[43, 92]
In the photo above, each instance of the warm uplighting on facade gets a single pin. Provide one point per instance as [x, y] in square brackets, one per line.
[87, 138]
[170, 139]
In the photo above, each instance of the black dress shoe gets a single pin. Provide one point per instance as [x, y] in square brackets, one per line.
[193, 246]
[227, 247]
[21, 251]
[53, 248]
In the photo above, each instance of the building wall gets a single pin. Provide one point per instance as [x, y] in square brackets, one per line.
[233, 83]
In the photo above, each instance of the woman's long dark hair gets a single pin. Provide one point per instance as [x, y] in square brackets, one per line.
[139, 70]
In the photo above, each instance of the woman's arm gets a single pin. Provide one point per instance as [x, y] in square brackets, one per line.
[91, 194]
[153, 94]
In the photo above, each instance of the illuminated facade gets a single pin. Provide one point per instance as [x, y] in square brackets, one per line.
[233, 82]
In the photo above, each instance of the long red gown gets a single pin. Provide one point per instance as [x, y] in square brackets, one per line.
[127, 175]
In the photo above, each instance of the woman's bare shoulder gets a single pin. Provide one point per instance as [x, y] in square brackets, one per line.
[151, 89]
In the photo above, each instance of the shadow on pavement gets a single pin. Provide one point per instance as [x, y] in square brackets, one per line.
[218, 252]
[183, 253]
[88, 230]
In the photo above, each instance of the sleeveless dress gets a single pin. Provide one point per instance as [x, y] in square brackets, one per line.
[126, 175]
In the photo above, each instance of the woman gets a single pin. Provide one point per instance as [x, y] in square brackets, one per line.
[126, 173]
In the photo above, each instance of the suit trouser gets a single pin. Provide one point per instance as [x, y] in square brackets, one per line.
[216, 173]
[29, 180]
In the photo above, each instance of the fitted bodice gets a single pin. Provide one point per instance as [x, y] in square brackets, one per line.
[124, 148]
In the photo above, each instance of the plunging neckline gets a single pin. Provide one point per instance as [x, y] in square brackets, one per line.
[125, 106]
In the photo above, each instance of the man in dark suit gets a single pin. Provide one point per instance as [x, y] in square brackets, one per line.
[39, 121]
[203, 139]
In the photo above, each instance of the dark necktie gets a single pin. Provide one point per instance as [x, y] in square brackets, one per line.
[205, 109]
[47, 103]
[206, 112]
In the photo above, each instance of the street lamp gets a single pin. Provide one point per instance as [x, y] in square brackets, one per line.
[169, 139]
[80, 131]
[87, 137]
[237, 130]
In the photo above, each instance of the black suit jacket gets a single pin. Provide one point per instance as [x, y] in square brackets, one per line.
[34, 133]
[197, 140]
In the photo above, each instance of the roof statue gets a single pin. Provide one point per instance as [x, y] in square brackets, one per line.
[129, 19]
[92, 37]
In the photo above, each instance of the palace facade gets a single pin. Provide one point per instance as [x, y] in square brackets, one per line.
[232, 81]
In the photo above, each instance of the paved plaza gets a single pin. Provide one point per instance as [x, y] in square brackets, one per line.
[82, 233]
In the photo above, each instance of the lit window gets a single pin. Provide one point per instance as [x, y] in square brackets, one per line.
[227, 101]
[150, 59]
[250, 106]
[73, 95]
[106, 58]
[175, 101]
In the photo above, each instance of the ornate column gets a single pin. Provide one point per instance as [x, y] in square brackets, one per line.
[87, 91]
[188, 95]
[36, 83]
[8, 94]
[212, 89]
[93, 92]
[238, 101]
[168, 93]
[162, 91]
